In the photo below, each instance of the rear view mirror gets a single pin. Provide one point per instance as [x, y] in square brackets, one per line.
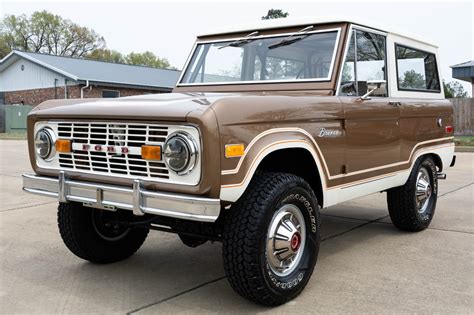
[375, 88]
[378, 87]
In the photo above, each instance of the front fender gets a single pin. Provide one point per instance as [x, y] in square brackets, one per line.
[234, 181]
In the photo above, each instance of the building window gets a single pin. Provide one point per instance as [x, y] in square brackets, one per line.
[110, 94]
[416, 70]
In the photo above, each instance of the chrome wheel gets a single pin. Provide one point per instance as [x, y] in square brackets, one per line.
[423, 190]
[286, 240]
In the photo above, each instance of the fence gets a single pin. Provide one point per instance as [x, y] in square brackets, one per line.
[2, 118]
[463, 116]
[13, 118]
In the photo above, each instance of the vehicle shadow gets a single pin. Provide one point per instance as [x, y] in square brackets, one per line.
[163, 276]
[167, 276]
[219, 297]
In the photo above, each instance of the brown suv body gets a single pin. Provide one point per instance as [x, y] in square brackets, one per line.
[377, 121]
[239, 118]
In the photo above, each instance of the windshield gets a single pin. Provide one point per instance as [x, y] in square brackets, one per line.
[304, 57]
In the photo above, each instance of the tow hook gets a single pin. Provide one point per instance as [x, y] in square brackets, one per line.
[441, 175]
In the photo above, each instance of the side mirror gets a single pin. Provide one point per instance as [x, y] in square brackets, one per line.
[376, 88]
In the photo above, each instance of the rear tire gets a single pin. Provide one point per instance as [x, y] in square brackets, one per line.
[412, 206]
[271, 239]
[92, 234]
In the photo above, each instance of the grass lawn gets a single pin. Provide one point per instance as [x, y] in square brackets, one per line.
[465, 141]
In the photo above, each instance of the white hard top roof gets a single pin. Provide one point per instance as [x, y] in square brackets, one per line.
[290, 22]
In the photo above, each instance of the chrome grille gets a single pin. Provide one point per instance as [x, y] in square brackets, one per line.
[129, 135]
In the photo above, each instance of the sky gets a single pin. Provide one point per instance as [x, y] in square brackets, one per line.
[169, 28]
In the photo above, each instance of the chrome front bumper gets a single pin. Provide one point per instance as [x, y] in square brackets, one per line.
[136, 199]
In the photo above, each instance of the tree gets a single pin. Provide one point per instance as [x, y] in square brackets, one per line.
[348, 72]
[147, 59]
[107, 55]
[4, 48]
[413, 80]
[44, 32]
[275, 14]
[454, 89]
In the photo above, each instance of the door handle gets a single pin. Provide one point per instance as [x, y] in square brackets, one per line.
[396, 104]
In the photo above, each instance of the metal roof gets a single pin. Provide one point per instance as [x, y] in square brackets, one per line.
[464, 64]
[98, 71]
[464, 71]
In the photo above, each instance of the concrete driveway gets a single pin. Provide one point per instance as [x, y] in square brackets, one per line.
[365, 264]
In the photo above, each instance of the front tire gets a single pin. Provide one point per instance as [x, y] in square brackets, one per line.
[97, 235]
[271, 239]
[412, 206]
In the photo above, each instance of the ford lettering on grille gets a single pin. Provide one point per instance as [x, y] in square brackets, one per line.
[113, 148]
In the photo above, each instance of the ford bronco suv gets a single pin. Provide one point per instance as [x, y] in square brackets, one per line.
[267, 125]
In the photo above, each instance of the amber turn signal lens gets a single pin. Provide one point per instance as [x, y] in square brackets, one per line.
[63, 146]
[151, 152]
[234, 150]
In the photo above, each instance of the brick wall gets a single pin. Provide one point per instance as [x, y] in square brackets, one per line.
[33, 97]
[37, 96]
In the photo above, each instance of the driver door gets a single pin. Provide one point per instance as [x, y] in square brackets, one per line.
[372, 133]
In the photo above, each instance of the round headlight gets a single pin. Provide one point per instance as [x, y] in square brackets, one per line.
[44, 143]
[179, 153]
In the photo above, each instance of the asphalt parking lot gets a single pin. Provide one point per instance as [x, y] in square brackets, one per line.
[365, 264]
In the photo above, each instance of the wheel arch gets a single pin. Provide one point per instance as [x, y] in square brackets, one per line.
[306, 167]
[437, 159]
[440, 157]
[268, 160]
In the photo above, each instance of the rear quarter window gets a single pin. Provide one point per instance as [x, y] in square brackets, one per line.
[416, 70]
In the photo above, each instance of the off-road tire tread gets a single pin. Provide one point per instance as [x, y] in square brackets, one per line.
[241, 230]
[400, 202]
[75, 230]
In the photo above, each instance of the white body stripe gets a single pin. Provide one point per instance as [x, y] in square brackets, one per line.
[341, 193]
[355, 190]
[276, 130]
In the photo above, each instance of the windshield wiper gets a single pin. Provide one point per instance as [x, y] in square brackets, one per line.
[292, 39]
[240, 42]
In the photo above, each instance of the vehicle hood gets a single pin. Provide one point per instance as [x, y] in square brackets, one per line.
[168, 107]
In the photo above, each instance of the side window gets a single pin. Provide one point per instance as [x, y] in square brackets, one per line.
[416, 70]
[365, 61]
